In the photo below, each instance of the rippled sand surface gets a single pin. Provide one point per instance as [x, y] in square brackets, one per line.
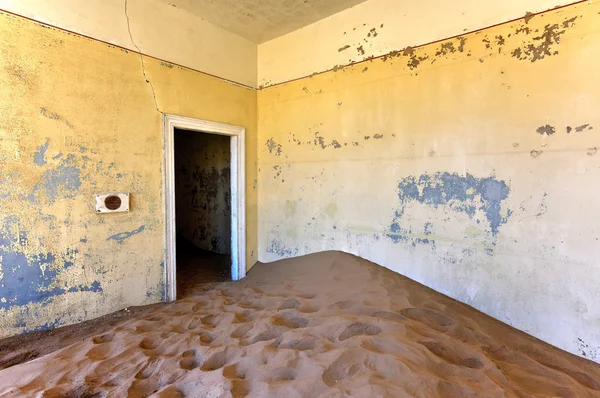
[323, 325]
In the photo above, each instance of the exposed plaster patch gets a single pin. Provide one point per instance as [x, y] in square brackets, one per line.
[528, 16]
[535, 154]
[546, 130]
[542, 46]
[274, 147]
[579, 129]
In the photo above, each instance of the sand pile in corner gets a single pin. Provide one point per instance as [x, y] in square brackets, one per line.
[329, 325]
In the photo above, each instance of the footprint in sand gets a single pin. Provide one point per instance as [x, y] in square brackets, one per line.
[432, 319]
[194, 323]
[289, 320]
[144, 327]
[244, 316]
[241, 331]
[190, 359]
[234, 371]
[390, 316]
[220, 359]
[99, 352]
[452, 355]
[149, 368]
[207, 338]
[282, 374]
[308, 308]
[144, 387]
[210, 321]
[149, 343]
[289, 304]
[346, 365]
[269, 334]
[304, 344]
[105, 338]
[358, 329]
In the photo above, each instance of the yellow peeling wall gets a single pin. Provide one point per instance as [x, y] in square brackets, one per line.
[377, 27]
[157, 29]
[76, 118]
[470, 165]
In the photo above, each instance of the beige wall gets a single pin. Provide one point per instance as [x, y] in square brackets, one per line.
[469, 165]
[158, 29]
[378, 27]
[78, 118]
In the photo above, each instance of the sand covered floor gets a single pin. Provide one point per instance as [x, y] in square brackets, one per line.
[323, 325]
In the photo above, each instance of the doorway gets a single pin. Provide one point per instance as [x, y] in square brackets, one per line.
[204, 204]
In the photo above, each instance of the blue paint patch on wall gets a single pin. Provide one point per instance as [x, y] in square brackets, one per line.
[63, 178]
[39, 157]
[122, 236]
[63, 181]
[463, 194]
[30, 278]
[47, 326]
[278, 247]
[94, 287]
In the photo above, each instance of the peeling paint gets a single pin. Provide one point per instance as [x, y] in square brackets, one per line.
[30, 278]
[546, 130]
[536, 154]
[463, 194]
[123, 236]
[579, 129]
[542, 46]
[274, 147]
[39, 157]
[276, 246]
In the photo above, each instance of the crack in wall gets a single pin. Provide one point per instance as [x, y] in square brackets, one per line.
[141, 59]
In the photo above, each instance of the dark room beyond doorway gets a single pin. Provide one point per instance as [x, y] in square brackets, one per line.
[202, 209]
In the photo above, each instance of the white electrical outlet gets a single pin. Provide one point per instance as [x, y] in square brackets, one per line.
[112, 202]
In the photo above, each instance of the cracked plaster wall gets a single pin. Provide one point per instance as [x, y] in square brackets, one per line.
[77, 117]
[469, 165]
[161, 30]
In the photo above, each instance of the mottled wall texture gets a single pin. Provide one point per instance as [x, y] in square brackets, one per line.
[203, 190]
[78, 117]
[470, 165]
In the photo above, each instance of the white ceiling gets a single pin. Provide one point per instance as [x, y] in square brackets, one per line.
[263, 20]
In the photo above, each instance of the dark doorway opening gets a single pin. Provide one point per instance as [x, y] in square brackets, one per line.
[202, 210]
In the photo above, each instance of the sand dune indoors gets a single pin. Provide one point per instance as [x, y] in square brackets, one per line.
[323, 325]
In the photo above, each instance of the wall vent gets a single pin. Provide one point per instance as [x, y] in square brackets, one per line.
[112, 202]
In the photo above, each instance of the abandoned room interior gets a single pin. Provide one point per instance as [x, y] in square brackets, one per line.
[319, 198]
